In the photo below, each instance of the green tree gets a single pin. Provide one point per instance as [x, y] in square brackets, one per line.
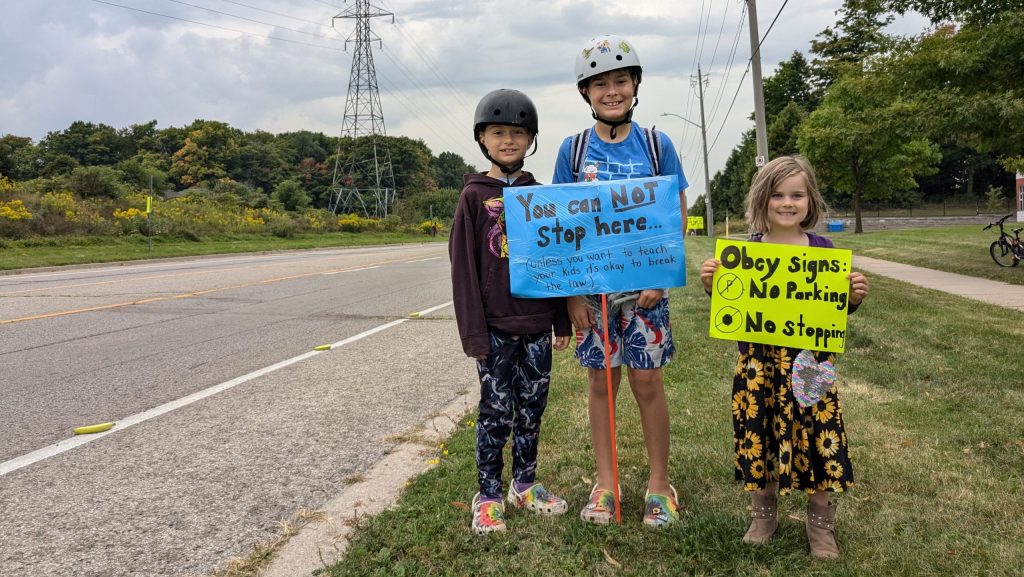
[975, 12]
[783, 130]
[14, 150]
[438, 204]
[291, 195]
[856, 38]
[94, 181]
[89, 144]
[143, 169]
[729, 185]
[209, 148]
[258, 162]
[298, 146]
[450, 169]
[793, 81]
[316, 178]
[860, 142]
[967, 86]
[412, 164]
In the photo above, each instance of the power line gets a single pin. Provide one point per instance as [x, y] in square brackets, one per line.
[243, 32]
[728, 68]
[436, 68]
[749, 61]
[289, 16]
[229, 15]
[718, 40]
[777, 14]
[424, 92]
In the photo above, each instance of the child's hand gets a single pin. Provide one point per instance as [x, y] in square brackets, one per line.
[707, 273]
[858, 287]
[649, 298]
[561, 343]
[481, 358]
[579, 313]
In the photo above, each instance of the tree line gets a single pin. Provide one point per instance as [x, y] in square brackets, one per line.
[292, 170]
[897, 120]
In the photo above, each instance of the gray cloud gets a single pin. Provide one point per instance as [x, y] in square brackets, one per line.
[68, 60]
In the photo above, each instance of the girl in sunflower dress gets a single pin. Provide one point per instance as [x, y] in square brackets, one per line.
[780, 445]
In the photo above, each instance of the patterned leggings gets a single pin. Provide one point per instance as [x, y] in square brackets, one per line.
[513, 394]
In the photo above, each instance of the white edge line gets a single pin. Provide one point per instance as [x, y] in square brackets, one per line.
[422, 260]
[350, 270]
[437, 308]
[77, 441]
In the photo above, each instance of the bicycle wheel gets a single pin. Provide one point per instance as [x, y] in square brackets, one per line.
[1003, 255]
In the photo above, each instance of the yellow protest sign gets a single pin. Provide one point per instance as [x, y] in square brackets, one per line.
[695, 223]
[778, 294]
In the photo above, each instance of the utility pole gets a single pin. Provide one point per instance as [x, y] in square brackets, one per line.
[368, 177]
[755, 59]
[704, 139]
[709, 213]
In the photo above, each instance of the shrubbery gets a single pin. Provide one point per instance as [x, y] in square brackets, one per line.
[49, 208]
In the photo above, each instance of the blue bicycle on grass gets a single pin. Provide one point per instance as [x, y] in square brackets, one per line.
[1008, 250]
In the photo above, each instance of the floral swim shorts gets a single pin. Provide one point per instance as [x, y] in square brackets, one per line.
[640, 338]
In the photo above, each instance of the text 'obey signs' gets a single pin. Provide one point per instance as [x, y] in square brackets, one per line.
[588, 238]
[781, 295]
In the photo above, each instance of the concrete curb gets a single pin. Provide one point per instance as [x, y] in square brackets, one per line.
[323, 543]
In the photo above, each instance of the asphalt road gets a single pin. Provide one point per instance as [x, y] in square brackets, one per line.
[184, 491]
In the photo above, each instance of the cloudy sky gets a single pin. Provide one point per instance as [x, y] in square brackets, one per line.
[278, 65]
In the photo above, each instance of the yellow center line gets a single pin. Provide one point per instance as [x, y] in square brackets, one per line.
[140, 278]
[187, 295]
[159, 276]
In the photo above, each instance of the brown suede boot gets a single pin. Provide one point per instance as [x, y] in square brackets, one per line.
[821, 530]
[764, 519]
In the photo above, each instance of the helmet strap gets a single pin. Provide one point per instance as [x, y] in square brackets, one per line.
[614, 124]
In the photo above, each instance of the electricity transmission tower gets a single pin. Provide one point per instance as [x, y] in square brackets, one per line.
[363, 182]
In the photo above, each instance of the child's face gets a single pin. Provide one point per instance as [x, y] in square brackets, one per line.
[611, 94]
[788, 204]
[506, 144]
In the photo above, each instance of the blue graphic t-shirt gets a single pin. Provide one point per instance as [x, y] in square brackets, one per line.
[620, 160]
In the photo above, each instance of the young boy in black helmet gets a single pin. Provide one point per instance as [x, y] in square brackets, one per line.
[509, 337]
[608, 76]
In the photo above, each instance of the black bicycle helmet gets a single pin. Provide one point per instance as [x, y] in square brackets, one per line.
[507, 107]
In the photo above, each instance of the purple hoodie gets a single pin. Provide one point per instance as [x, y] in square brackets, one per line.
[481, 286]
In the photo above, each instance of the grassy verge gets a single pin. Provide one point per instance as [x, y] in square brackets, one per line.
[932, 404]
[959, 249]
[80, 250]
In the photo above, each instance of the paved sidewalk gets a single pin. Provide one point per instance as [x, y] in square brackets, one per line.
[989, 291]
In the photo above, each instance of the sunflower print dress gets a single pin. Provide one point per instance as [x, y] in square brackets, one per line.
[802, 448]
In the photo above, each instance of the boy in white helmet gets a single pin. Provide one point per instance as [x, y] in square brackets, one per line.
[608, 74]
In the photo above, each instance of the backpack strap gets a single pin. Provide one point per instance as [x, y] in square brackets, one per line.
[653, 141]
[578, 153]
[580, 143]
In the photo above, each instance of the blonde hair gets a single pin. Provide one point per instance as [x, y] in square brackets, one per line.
[767, 180]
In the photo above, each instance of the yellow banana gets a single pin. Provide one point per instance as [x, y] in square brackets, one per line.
[94, 429]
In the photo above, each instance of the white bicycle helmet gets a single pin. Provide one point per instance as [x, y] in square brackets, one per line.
[604, 53]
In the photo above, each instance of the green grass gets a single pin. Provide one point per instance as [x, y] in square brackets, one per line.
[55, 251]
[958, 249]
[932, 402]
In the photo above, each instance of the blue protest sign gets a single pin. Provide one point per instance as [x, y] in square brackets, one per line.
[595, 237]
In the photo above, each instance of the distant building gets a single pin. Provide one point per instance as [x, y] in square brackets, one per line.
[1020, 197]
